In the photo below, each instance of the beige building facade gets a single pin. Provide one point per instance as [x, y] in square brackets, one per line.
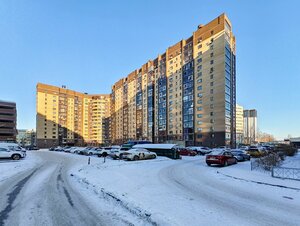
[67, 117]
[185, 95]
[239, 124]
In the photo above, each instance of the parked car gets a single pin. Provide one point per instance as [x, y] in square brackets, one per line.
[167, 150]
[91, 151]
[256, 152]
[12, 153]
[223, 158]
[138, 154]
[240, 155]
[76, 150]
[244, 148]
[116, 153]
[200, 150]
[187, 152]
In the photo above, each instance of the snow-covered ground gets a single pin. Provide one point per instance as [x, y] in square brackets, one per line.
[188, 192]
[292, 162]
[9, 168]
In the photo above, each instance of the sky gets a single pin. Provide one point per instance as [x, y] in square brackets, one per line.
[89, 45]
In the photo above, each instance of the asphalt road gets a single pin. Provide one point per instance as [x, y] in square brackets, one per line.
[43, 196]
[230, 204]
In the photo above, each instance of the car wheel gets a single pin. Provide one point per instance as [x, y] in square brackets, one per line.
[208, 164]
[75, 152]
[15, 157]
[135, 158]
[225, 163]
[90, 153]
[235, 162]
[104, 154]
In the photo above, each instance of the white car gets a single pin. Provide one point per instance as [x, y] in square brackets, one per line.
[138, 154]
[200, 150]
[12, 153]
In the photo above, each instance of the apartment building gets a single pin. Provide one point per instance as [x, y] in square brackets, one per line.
[239, 124]
[250, 126]
[67, 117]
[187, 94]
[8, 121]
[26, 137]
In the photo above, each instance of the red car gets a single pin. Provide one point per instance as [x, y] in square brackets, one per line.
[223, 158]
[187, 152]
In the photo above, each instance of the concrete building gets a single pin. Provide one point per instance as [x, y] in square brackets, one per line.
[239, 124]
[8, 121]
[26, 137]
[250, 126]
[187, 94]
[66, 117]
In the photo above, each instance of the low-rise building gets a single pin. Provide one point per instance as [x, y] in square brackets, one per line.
[8, 121]
[26, 137]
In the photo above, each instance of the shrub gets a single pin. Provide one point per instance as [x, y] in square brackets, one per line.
[285, 149]
[269, 161]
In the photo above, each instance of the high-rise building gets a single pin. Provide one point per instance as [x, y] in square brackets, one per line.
[250, 126]
[186, 94]
[239, 124]
[66, 117]
[8, 121]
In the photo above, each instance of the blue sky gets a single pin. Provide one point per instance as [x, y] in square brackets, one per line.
[88, 45]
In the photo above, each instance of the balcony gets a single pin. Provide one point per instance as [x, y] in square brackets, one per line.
[7, 111]
[7, 117]
[7, 131]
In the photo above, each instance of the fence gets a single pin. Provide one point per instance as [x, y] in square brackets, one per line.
[286, 173]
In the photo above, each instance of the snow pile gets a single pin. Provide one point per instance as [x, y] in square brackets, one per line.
[292, 162]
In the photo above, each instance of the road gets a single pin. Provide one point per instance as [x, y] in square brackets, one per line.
[229, 204]
[43, 196]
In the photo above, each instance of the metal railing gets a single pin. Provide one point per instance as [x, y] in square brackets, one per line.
[286, 173]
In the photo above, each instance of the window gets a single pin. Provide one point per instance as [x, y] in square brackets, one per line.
[211, 91]
[211, 54]
[199, 115]
[199, 88]
[212, 61]
[199, 108]
[200, 95]
[211, 76]
[212, 83]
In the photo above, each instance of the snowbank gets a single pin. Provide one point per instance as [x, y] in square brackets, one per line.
[9, 168]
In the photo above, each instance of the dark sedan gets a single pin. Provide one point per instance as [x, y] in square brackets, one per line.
[240, 155]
